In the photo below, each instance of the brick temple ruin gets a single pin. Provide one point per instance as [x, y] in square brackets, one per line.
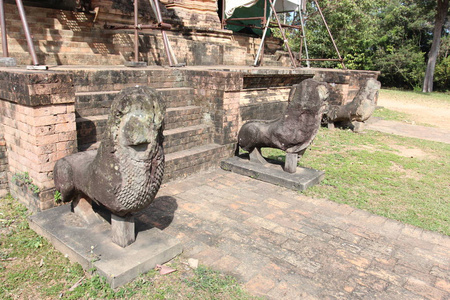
[48, 114]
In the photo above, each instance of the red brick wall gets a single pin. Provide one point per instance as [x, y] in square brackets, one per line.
[36, 137]
[345, 83]
[262, 104]
[37, 117]
[3, 165]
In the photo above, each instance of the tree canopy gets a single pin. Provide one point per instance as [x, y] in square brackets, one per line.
[392, 36]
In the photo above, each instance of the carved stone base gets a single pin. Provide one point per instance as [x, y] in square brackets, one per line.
[122, 230]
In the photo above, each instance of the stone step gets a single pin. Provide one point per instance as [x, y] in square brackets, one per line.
[180, 139]
[24, 58]
[184, 116]
[183, 163]
[177, 96]
[177, 100]
[90, 131]
[166, 81]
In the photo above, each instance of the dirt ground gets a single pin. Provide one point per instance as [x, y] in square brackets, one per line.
[422, 108]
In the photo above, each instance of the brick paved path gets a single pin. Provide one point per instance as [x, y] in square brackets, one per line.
[283, 245]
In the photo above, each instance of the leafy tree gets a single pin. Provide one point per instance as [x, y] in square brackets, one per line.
[442, 71]
[403, 28]
[392, 36]
[353, 26]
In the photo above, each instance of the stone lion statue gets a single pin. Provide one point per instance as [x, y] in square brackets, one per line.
[292, 132]
[358, 110]
[125, 173]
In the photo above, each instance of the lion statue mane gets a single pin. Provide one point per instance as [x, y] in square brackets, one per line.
[126, 171]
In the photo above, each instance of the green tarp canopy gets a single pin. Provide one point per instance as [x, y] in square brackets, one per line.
[253, 8]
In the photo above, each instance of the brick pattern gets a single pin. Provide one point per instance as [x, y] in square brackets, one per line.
[3, 164]
[36, 88]
[60, 37]
[217, 93]
[346, 83]
[281, 244]
[259, 96]
[190, 161]
[182, 138]
[36, 137]
[231, 115]
[71, 38]
[264, 104]
[192, 48]
[186, 116]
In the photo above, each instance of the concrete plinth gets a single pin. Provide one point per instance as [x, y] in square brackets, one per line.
[92, 247]
[273, 173]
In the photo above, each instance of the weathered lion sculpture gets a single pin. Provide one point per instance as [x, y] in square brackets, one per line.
[292, 132]
[359, 110]
[125, 173]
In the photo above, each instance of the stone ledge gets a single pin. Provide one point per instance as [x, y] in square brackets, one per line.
[36, 88]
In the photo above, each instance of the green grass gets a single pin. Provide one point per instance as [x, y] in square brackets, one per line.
[375, 172]
[416, 96]
[30, 268]
[387, 114]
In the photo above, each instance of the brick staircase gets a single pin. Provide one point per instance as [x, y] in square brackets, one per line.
[60, 38]
[189, 145]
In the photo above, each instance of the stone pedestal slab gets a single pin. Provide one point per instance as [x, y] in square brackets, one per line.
[92, 247]
[273, 173]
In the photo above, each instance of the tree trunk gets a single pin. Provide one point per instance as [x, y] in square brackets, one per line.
[441, 13]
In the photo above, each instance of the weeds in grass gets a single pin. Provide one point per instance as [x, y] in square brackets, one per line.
[214, 282]
[377, 172]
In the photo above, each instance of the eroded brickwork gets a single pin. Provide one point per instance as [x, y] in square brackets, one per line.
[37, 117]
[345, 84]
[36, 137]
[267, 104]
[217, 92]
[3, 164]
